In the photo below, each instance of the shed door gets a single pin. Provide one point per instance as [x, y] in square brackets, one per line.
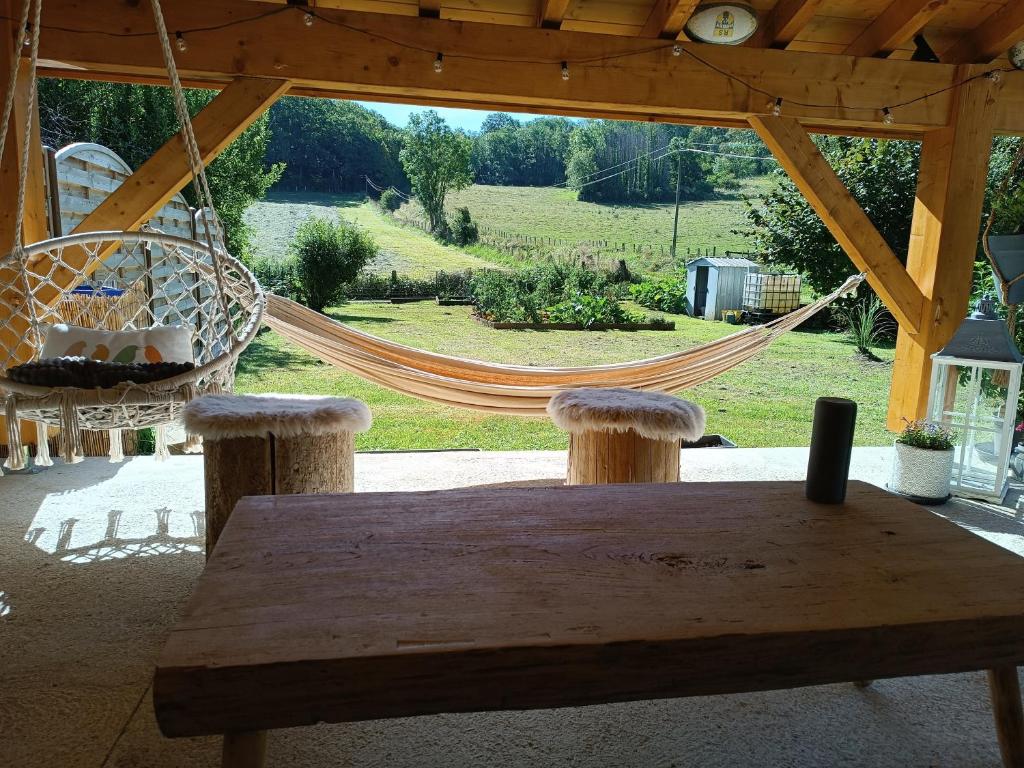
[700, 292]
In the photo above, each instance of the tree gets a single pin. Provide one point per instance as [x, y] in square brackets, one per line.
[881, 175]
[327, 255]
[134, 120]
[331, 146]
[437, 161]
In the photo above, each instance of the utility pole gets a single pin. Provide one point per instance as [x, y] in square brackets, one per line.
[679, 179]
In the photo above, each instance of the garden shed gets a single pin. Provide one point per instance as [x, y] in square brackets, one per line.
[714, 285]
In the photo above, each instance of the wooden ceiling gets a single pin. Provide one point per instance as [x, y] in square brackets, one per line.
[959, 31]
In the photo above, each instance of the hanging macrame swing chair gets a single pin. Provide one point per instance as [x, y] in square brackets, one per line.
[1006, 252]
[149, 279]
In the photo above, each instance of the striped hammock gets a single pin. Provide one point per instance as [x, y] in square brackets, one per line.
[516, 389]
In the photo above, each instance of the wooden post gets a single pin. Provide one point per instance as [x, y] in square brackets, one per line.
[244, 750]
[943, 241]
[1004, 687]
[34, 227]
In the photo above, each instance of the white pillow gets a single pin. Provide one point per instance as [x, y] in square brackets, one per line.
[161, 343]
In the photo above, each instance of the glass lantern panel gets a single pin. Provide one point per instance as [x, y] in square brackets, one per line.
[970, 396]
[976, 464]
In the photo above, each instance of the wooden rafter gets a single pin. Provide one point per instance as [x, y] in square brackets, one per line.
[389, 57]
[431, 9]
[899, 22]
[668, 17]
[783, 23]
[550, 13]
[991, 38]
[843, 216]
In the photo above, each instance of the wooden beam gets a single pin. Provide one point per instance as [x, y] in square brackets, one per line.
[899, 22]
[430, 9]
[943, 242]
[668, 17]
[783, 23]
[378, 56]
[991, 38]
[158, 179]
[843, 216]
[550, 13]
[35, 225]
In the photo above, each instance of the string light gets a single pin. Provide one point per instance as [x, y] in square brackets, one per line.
[439, 63]
[28, 36]
[565, 70]
[774, 106]
[887, 116]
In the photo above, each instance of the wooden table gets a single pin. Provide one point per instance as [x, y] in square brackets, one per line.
[379, 605]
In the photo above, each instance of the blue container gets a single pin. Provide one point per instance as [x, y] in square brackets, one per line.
[107, 293]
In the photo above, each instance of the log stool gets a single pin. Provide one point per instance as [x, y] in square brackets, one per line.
[624, 435]
[258, 445]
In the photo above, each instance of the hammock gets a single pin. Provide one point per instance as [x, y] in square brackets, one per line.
[516, 389]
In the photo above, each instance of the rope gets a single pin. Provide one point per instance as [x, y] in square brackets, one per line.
[19, 43]
[199, 181]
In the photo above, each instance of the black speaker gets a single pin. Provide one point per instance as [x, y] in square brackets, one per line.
[828, 466]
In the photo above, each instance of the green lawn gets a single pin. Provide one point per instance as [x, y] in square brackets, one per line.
[410, 251]
[556, 213]
[765, 402]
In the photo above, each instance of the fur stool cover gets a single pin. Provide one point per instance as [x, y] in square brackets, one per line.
[624, 435]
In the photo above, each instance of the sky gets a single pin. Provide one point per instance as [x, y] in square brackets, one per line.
[466, 119]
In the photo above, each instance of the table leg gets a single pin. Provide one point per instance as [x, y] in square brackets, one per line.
[1006, 705]
[245, 749]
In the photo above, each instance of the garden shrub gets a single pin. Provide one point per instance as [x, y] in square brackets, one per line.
[276, 276]
[590, 310]
[666, 294]
[328, 255]
[463, 229]
[445, 285]
[389, 200]
[564, 292]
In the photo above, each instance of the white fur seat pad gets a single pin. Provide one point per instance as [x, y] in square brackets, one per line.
[217, 417]
[650, 414]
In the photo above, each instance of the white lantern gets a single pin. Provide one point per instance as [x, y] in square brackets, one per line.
[974, 390]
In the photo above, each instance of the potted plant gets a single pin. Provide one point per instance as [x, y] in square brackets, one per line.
[923, 462]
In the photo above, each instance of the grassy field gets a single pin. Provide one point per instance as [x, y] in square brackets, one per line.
[765, 402]
[411, 252]
[556, 213]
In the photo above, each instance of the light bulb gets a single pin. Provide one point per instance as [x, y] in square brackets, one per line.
[180, 41]
[28, 36]
[775, 107]
[887, 116]
[565, 70]
[677, 50]
[307, 19]
[439, 63]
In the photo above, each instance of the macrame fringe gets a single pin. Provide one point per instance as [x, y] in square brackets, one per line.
[193, 442]
[162, 451]
[71, 434]
[116, 452]
[43, 446]
[15, 450]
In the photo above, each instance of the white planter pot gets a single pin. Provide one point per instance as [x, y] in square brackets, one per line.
[921, 472]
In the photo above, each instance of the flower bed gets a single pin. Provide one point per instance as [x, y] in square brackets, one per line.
[662, 325]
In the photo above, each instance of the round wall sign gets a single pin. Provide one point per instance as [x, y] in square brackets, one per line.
[722, 23]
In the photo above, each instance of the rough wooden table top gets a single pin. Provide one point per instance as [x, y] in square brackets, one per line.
[371, 605]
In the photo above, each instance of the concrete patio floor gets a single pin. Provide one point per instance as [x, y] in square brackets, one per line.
[97, 559]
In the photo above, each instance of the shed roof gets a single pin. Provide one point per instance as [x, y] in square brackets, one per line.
[715, 261]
